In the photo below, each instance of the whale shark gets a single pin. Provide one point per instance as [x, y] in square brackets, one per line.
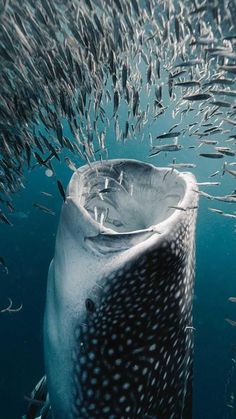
[118, 327]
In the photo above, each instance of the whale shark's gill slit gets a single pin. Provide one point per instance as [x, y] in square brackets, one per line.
[131, 356]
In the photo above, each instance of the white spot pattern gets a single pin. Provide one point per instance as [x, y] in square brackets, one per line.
[136, 357]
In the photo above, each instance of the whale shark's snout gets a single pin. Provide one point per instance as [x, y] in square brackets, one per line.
[118, 320]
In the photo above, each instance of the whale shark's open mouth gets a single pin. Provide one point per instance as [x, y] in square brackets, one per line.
[126, 196]
[118, 319]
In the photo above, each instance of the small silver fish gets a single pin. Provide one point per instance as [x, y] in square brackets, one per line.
[44, 209]
[211, 155]
[165, 148]
[198, 96]
[208, 183]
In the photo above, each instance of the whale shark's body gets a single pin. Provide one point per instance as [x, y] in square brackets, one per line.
[118, 320]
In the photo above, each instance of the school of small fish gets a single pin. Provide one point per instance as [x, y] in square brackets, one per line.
[73, 72]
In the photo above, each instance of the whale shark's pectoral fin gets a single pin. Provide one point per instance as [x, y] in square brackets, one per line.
[108, 242]
[39, 405]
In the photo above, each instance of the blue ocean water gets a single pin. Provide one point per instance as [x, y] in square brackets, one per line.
[28, 247]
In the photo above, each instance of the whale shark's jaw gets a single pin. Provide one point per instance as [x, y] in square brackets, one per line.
[118, 320]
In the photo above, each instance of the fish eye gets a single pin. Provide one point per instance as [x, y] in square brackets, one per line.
[89, 304]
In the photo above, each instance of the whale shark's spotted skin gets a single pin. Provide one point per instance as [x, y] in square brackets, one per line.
[129, 350]
[136, 353]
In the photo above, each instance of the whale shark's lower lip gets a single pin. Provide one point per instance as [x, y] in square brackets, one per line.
[118, 321]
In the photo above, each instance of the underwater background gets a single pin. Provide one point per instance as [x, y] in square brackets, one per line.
[28, 248]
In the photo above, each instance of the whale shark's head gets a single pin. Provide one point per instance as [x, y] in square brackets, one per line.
[118, 320]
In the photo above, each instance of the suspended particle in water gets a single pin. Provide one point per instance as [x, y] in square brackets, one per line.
[49, 173]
